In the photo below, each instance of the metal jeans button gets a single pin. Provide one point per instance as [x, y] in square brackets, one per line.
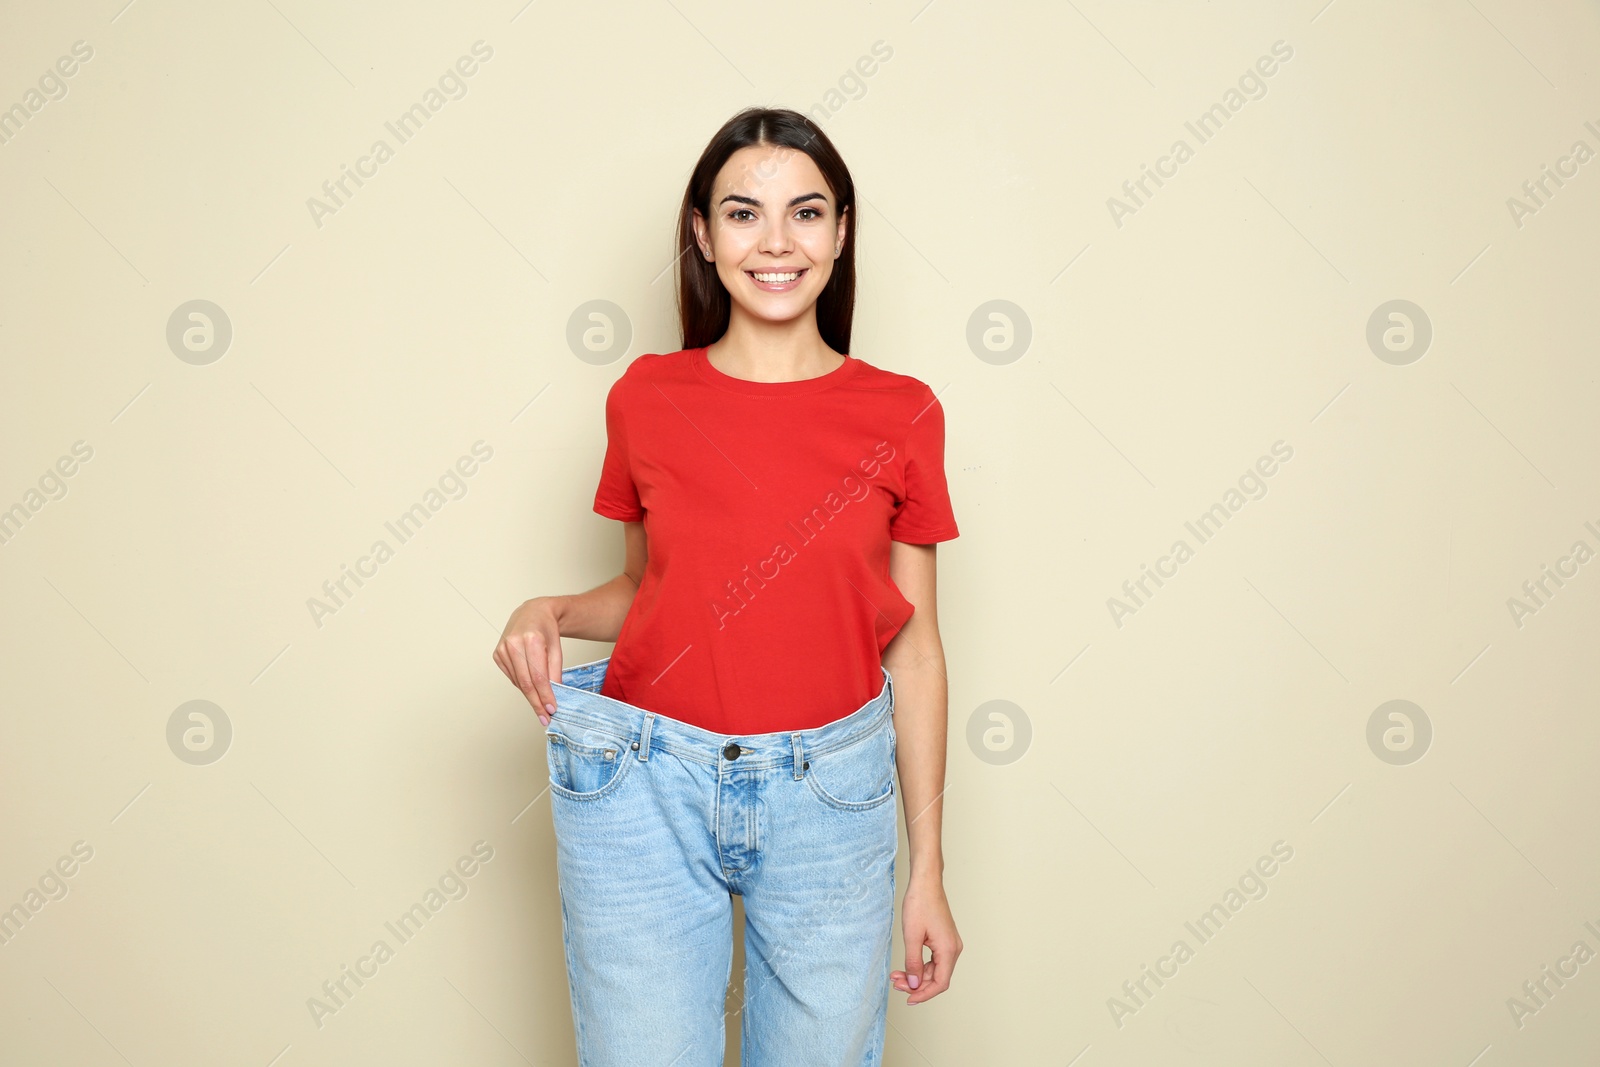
[731, 750]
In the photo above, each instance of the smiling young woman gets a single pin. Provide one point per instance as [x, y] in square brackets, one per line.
[777, 654]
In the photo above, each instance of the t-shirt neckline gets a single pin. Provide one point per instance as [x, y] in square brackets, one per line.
[710, 374]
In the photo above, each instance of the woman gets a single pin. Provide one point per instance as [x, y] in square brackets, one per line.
[777, 650]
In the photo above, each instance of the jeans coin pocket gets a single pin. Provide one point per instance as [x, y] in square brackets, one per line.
[584, 765]
[857, 776]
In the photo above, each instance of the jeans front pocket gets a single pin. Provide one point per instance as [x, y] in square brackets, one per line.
[858, 776]
[586, 766]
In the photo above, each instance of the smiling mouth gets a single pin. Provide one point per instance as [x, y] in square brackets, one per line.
[776, 281]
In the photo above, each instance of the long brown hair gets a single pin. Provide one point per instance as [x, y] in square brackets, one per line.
[703, 301]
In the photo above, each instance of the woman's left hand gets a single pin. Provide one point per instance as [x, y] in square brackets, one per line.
[927, 921]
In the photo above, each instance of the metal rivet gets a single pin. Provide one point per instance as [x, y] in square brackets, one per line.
[635, 746]
[611, 753]
[806, 766]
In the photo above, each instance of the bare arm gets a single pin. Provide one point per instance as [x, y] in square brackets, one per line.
[915, 659]
[597, 615]
[529, 652]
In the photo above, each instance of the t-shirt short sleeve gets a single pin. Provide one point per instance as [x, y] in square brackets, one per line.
[925, 516]
[618, 496]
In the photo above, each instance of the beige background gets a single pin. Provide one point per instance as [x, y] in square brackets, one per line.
[1163, 757]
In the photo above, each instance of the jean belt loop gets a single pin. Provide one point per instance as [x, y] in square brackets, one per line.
[799, 757]
[644, 736]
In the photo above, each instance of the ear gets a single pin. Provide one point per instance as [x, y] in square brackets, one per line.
[702, 235]
[843, 226]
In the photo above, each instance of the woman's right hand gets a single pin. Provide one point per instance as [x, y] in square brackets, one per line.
[529, 653]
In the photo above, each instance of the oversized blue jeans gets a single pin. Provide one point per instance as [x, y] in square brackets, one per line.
[658, 823]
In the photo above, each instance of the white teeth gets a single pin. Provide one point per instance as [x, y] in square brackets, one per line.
[775, 279]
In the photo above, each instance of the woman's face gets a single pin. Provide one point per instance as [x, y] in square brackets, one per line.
[772, 218]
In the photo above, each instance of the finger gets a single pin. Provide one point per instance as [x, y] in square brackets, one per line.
[936, 972]
[923, 976]
[547, 695]
[502, 659]
[913, 971]
[528, 664]
[517, 654]
[922, 990]
[540, 698]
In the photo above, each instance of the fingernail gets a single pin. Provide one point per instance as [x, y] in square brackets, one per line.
[913, 980]
[551, 708]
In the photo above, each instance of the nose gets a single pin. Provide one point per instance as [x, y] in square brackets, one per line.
[775, 237]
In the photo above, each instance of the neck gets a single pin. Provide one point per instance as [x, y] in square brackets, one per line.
[762, 351]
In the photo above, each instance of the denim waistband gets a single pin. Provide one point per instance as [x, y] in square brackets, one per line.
[581, 703]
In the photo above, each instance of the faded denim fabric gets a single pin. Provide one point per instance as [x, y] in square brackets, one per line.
[659, 822]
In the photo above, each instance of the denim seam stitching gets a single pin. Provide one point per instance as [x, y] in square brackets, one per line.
[623, 766]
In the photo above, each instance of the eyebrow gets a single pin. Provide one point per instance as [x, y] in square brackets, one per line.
[756, 203]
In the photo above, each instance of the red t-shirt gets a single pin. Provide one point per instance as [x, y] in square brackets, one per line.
[769, 508]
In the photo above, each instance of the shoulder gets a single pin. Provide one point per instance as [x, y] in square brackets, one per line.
[655, 364]
[648, 369]
[903, 394]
